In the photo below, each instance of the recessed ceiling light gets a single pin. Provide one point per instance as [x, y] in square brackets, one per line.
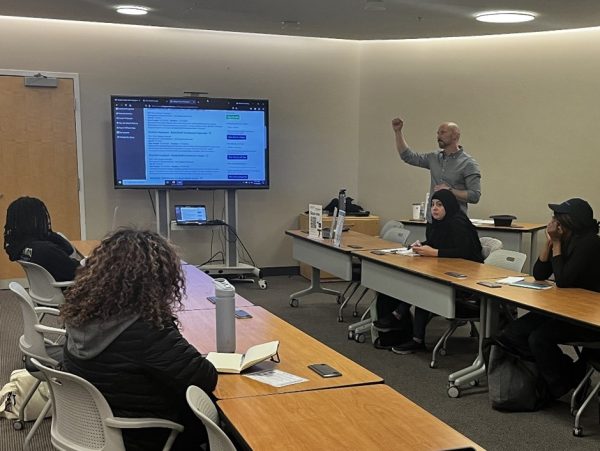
[132, 10]
[505, 16]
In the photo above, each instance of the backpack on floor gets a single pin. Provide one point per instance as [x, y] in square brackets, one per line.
[13, 394]
[514, 383]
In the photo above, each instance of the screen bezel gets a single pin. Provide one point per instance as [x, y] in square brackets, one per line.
[209, 185]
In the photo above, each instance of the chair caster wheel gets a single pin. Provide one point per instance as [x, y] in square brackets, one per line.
[474, 383]
[340, 319]
[294, 302]
[350, 335]
[432, 364]
[453, 391]
[17, 425]
[359, 338]
[262, 284]
[355, 314]
[443, 352]
[578, 432]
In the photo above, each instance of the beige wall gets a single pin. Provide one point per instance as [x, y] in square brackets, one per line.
[312, 85]
[528, 106]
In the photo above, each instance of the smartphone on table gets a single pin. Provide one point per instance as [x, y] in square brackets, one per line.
[324, 370]
[242, 314]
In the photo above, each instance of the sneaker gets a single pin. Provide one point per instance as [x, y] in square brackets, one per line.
[408, 348]
[387, 323]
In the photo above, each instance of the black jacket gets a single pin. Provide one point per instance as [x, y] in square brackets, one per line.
[145, 372]
[457, 240]
[578, 265]
[52, 254]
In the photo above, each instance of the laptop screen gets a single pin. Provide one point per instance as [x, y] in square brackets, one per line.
[190, 214]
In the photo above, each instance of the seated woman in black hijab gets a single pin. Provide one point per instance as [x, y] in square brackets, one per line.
[450, 235]
[28, 236]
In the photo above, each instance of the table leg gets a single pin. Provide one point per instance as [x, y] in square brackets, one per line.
[534, 250]
[472, 373]
[315, 287]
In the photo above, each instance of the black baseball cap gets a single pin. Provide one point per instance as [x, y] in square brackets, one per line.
[578, 209]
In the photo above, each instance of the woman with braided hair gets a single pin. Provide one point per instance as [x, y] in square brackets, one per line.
[28, 236]
[122, 336]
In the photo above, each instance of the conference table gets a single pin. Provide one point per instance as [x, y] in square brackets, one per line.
[320, 413]
[323, 255]
[199, 287]
[297, 350]
[431, 283]
[571, 304]
[365, 417]
[519, 236]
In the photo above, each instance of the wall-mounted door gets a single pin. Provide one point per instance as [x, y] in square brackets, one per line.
[38, 154]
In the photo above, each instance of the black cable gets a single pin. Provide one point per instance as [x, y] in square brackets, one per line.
[212, 259]
[152, 202]
[242, 244]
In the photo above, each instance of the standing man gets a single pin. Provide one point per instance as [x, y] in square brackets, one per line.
[451, 168]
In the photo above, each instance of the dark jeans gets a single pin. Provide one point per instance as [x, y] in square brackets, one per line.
[387, 304]
[537, 336]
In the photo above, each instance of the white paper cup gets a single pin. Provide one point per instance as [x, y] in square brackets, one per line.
[416, 211]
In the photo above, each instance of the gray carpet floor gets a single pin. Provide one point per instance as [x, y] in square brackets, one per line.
[470, 414]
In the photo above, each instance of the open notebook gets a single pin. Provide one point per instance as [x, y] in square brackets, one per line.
[236, 363]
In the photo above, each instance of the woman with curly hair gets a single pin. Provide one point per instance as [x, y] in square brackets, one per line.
[28, 236]
[123, 338]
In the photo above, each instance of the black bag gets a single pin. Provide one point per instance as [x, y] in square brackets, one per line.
[514, 383]
[350, 208]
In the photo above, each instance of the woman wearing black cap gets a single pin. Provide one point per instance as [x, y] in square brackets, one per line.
[450, 235]
[572, 254]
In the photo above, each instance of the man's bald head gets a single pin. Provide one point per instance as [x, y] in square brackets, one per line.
[448, 135]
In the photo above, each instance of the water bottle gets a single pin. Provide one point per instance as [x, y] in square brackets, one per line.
[342, 200]
[225, 315]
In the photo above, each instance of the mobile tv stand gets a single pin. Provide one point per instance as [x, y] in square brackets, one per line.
[232, 265]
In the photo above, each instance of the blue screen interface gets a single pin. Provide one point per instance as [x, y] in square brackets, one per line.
[175, 142]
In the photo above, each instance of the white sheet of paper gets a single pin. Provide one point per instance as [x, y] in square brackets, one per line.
[315, 220]
[400, 251]
[276, 378]
[509, 280]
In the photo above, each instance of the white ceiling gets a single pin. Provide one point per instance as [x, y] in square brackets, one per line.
[343, 19]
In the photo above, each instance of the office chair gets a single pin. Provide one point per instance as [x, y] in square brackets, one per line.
[469, 312]
[43, 289]
[354, 284]
[390, 225]
[489, 245]
[205, 410]
[357, 330]
[590, 351]
[82, 420]
[34, 344]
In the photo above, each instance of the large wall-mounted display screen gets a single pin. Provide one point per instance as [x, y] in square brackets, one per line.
[190, 142]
